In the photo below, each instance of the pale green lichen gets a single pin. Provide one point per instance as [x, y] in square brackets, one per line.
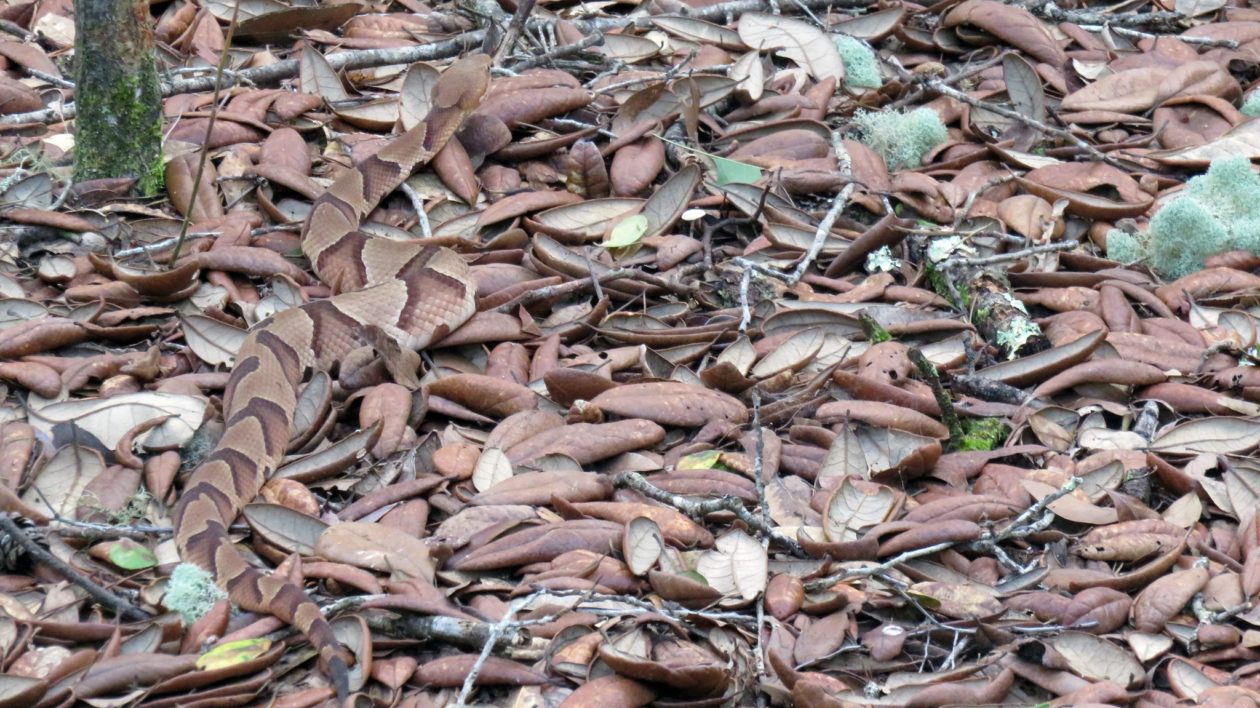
[861, 69]
[881, 261]
[1217, 211]
[943, 248]
[1016, 335]
[902, 139]
[191, 592]
[1251, 106]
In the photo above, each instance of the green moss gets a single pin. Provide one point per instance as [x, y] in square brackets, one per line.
[121, 136]
[940, 284]
[191, 592]
[983, 434]
[875, 333]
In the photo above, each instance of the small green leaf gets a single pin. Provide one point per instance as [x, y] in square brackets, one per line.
[131, 556]
[693, 575]
[729, 171]
[706, 460]
[233, 653]
[926, 600]
[627, 232]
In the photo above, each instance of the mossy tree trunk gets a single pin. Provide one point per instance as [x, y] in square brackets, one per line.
[118, 129]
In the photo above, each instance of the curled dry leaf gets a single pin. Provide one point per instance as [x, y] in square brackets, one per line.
[642, 544]
[736, 566]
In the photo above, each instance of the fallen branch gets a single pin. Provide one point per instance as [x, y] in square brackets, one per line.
[460, 44]
[1018, 528]
[103, 597]
[698, 510]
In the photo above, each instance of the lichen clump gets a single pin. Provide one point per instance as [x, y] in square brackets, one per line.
[1217, 211]
[191, 592]
[902, 139]
[1250, 107]
[860, 67]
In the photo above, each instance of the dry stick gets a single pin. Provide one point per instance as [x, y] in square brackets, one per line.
[821, 233]
[1008, 256]
[1067, 135]
[102, 596]
[368, 58]
[1135, 34]
[564, 50]
[669, 608]
[698, 510]
[205, 145]
[1018, 528]
[513, 32]
[492, 638]
[1168, 21]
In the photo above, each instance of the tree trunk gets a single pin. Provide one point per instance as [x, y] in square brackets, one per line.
[118, 130]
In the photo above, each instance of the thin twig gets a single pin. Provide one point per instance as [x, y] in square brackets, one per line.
[205, 145]
[564, 50]
[1066, 135]
[821, 233]
[513, 31]
[492, 638]
[103, 597]
[698, 510]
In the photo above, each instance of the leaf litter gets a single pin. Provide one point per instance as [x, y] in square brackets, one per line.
[712, 438]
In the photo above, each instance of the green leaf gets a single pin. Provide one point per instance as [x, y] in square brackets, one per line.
[131, 556]
[729, 171]
[699, 461]
[233, 653]
[693, 575]
[627, 232]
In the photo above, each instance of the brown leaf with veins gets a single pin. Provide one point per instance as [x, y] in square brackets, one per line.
[488, 395]
[1163, 599]
[671, 403]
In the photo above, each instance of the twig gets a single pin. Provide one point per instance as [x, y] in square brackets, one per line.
[870, 570]
[513, 31]
[205, 145]
[13, 28]
[1012, 531]
[1049, 10]
[980, 261]
[943, 401]
[492, 638]
[1136, 34]
[417, 203]
[669, 609]
[698, 510]
[822, 232]
[103, 597]
[564, 50]
[1066, 135]
[54, 80]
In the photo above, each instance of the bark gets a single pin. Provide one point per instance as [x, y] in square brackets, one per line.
[118, 131]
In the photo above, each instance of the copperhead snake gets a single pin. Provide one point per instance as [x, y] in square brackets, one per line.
[416, 293]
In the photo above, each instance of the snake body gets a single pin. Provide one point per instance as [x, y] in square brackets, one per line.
[416, 293]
